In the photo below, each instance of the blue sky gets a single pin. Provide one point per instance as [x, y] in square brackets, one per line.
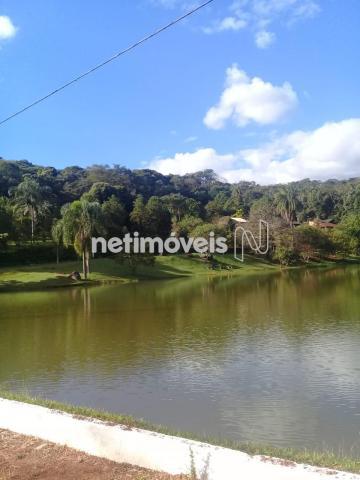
[258, 90]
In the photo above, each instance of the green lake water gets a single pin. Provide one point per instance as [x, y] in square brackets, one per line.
[271, 359]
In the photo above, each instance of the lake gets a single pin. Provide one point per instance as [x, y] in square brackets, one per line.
[271, 359]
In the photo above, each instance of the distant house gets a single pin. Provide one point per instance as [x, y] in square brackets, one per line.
[321, 224]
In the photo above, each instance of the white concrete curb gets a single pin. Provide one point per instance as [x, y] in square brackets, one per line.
[150, 450]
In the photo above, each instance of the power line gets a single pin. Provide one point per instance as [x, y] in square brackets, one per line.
[111, 59]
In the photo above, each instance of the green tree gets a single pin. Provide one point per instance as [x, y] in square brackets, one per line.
[286, 202]
[347, 234]
[178, 206]
[138, 215]
[10, 176]
[219, 206]
[158, 218]
[205, 229]
[81, 220]
[100, 192]
[57, 233]
[114, 216]
[312, 242]
[30, 201]
[185, 226]
[6, 218]
[285, 255]
[280, 234]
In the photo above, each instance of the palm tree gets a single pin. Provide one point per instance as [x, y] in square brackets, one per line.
[81, 220]
[29, 200]
[286, 202]
[57, 232]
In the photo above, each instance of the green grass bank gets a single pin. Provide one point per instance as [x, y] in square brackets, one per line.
[326, 459]
[119, 269]
[136, 268]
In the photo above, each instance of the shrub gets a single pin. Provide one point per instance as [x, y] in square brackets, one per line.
[312, 243]
[285, 255]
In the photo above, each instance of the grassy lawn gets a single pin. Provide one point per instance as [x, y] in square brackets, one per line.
[326, 459]
[51, 275]
[119, 269]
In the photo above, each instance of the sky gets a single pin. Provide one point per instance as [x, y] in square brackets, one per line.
[260, 90]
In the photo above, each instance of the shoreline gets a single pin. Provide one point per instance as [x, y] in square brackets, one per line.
[268, 454]
[105, 271]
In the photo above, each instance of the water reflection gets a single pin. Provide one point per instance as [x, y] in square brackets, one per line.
[272, 359]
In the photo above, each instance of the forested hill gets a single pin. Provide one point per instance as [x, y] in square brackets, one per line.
[37, 203]
[330, 199]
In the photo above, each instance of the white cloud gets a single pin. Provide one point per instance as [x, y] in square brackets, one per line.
[201, 159]
[7, 28]
[304, 10]
[331, 151]
[190, 139]
[165, 3]
[227, 23]
[270, 10]
[171, 4]
[247, 100]
[254, 15]
[264, 39]
[258, 15]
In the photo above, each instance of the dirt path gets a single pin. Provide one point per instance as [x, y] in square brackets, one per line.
[28, 458]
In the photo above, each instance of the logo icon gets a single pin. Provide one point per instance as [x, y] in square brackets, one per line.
[243, 237]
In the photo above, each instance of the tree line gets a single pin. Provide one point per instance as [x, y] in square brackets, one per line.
[70, 205]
